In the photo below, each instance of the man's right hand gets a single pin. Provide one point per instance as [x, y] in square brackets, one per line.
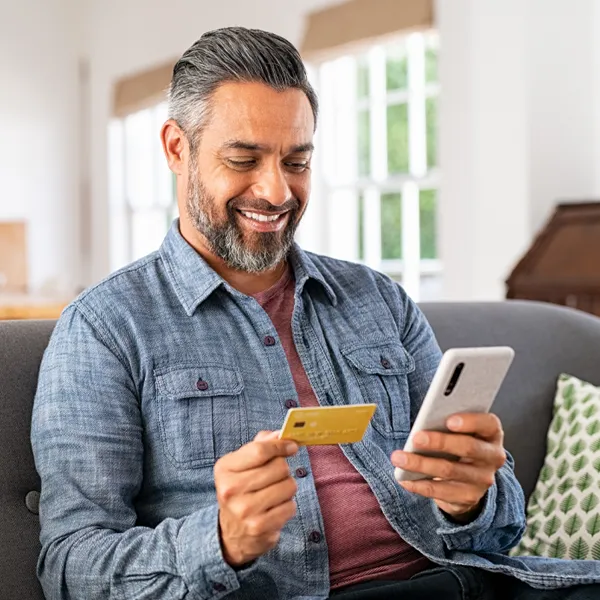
[255, 492]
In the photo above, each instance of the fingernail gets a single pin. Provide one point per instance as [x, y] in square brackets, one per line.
[455, 422]
[291, 447]
[421, 439]
[401, 459]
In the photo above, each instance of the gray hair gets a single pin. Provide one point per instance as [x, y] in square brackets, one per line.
[232, 54]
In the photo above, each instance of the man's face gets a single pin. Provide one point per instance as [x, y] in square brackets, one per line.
[249, 176]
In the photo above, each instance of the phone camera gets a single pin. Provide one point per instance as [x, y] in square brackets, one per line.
[454, 379]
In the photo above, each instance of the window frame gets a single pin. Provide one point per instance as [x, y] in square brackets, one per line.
[336, 77]
[122, 207]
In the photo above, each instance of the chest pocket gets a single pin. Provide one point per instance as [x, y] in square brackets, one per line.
[201, 412]
[381, 371]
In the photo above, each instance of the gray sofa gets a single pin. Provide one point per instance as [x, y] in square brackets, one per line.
[548, 340]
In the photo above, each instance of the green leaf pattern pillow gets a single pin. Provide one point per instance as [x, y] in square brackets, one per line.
[563, 515]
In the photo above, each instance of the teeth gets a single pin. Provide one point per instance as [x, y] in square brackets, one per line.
[258, 217]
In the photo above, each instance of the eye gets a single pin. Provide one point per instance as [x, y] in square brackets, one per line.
[241, 164]
[297, 166]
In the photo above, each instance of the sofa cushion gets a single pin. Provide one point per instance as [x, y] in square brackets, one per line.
[563, 514]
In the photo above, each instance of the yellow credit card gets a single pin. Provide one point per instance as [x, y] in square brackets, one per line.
[327, 424]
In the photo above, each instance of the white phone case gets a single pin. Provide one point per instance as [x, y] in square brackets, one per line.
[474, 392]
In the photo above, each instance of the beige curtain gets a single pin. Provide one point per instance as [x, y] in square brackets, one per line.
[358, 21]
[142, 90]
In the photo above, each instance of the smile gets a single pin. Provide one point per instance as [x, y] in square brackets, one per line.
[263, 223]
[262, 218]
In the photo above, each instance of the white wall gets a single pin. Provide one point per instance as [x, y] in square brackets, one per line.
[519, 127]
[38, 128]
[483, 144]
[563, 106]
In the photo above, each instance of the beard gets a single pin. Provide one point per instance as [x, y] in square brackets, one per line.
[228, 241]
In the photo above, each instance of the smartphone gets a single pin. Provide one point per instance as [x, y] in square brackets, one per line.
[321, 425]
[466, 381]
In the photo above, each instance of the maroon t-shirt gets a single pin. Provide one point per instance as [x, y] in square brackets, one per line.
[362, 544]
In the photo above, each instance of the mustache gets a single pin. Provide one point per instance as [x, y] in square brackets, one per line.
[261, 204]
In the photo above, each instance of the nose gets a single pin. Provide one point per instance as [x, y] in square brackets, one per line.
[272, 186]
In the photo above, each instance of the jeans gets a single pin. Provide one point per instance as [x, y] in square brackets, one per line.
[461, 583]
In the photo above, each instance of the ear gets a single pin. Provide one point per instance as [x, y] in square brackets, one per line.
[175, 146]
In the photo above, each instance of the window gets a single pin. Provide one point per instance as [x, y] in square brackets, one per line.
[378, 159]
[143, 199]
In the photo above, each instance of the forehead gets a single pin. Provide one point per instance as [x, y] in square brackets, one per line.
[257, 113]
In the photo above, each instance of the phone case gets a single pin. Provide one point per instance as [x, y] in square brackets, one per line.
[482, 375]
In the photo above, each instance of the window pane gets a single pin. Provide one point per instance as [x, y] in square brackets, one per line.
[140, 140]
[361, 227]
[431, 124]
[397, 138]
[431, 65]
[396, 67]
[428, 214]
[362, 77]
[148, 228]
[391, 226]
[364, 142]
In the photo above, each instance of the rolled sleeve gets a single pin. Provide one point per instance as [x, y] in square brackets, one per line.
[203, 565]
[500, 523]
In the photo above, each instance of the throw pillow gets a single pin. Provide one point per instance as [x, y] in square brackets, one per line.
[563, 514]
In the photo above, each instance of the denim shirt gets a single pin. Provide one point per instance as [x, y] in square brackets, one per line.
[161, 369]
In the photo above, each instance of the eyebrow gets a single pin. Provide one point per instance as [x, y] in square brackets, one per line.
[242, 145]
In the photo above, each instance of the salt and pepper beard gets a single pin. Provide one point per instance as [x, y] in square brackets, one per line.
[226, 239]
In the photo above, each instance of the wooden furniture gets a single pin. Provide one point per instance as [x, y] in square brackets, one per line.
[15, 301]
[563, 264]
[22, 306]
[13, 256]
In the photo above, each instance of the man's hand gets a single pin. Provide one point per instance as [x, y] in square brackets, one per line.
[255, 493]
[457, 487]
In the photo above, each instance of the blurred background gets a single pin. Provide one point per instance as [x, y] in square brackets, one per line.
[458, 146]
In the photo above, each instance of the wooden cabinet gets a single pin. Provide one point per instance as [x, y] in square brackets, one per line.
[563, 264]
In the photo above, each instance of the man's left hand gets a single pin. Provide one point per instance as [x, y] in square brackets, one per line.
[458, 487]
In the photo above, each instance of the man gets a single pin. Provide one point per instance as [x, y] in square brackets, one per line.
[162, 389]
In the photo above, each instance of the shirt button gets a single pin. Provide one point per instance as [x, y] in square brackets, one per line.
[202, 385]
[385, 363]
[219, 587]
[269, 340]
[291, 404]
[302, 472]
[314, 537]
[32, 502]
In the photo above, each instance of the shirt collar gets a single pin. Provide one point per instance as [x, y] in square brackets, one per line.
[305, 270]
[194, 280]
